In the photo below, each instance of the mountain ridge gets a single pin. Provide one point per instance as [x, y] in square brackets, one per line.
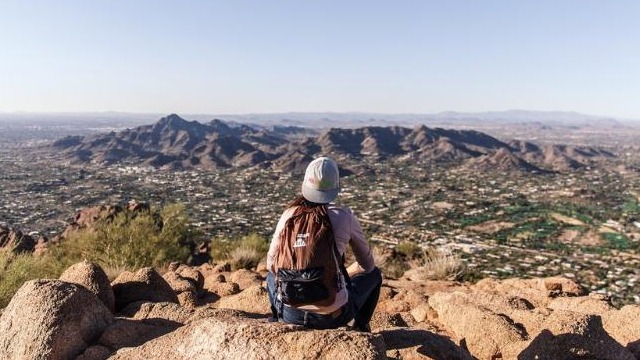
[176, 143]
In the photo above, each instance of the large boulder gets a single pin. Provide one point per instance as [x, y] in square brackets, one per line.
[252, 300]
[486, 334]
[539, 292]
[593, 304]
[418, 343]
[92, 277]
[623, 326]
[192, 274]
[246, 278]
[130, 333]
[51, 319]
[159, 310]
[178, 283]
[572, 335]
[248, 339]
[145, 285]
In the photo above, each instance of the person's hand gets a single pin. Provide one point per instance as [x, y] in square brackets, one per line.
[354, 269]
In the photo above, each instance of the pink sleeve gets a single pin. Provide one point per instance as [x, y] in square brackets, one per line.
[360, 247]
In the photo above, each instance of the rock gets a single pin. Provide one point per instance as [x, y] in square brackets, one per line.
[130, 333]
[145, 285]
[422, 312]
[223, 267]
[222, 288]
[150, 311]
[51, 319]
[566, 286]
[92, 277]
[252, 300]
[570, 335]
[261, 268]
[246, 278]
[582, 304]
[254, 339]
[386, 293]
[623, 326]
[205, 312]
[16, 241]
[407, 344]
[193, 275]
[89, 216]
[403, 301]
[178, 283]
[383, 320]
[486, 334]
[188, 299]
[95, 352]
[538, 292]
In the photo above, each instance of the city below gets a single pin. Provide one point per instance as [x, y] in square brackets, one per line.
[553, 200]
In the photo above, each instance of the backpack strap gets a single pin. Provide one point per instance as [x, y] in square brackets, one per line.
[343, 269]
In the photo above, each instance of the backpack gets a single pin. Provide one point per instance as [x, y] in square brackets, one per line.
[307, 263]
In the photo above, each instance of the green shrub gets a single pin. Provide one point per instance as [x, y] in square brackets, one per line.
[617, 241]
[16, 269]
[221, 249]
[256, 242]
[131, 240]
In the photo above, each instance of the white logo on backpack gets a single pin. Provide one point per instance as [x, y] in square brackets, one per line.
[300, 240]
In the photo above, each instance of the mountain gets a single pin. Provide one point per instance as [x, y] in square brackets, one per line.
[175, 143]
[503, 160]
[559, 157]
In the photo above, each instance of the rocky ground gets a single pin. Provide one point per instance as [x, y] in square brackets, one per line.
[209, 312]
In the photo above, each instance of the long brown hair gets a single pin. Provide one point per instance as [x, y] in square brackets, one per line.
[301, 201]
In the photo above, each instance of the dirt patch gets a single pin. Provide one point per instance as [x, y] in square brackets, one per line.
[606, 229]
[590, 238]
[442, 205]
[491, 226]
[568, 236]
[567, 220]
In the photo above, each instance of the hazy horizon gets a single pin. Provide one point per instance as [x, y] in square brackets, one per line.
[262, 57]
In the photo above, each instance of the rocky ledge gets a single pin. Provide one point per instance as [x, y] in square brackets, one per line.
[209, 312]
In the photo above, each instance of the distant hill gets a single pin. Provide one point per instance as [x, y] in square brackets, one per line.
[176, 143]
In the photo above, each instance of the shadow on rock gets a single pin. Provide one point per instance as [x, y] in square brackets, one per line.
[573, 346]
[402, 341]
[132, 333]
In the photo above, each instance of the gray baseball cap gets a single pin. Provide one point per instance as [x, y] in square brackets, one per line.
[321, 181]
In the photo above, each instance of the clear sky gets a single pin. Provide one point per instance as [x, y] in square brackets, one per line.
[395, 56]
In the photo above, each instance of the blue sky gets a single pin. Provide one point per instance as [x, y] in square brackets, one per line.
[402, 56]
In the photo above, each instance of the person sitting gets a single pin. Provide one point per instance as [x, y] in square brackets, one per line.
[308, 283]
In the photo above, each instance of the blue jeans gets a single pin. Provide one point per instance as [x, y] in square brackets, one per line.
[363, 298]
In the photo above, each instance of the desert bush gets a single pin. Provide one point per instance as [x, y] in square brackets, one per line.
[131, 240]
[395, 262]
[439, 264]
[16, 269]
[409, 250]
[394, 268]
[244, 257]
[221, 249]
[242, 253]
